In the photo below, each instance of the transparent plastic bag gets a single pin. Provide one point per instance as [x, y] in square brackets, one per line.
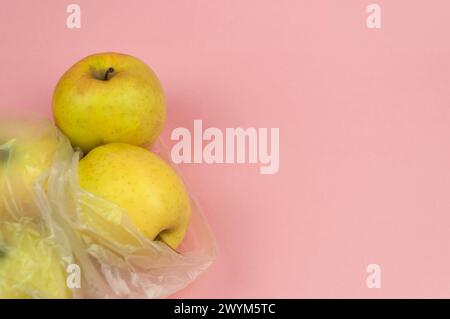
[39, 194]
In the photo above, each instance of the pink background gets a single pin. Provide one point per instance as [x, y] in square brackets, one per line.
[364, 118]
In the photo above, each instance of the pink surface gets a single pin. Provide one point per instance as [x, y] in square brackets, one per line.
[364, 118]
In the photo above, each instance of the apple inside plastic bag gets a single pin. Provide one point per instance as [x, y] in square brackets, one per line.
[103, 258]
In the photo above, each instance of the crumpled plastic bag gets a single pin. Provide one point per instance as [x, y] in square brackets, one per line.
[62, 241]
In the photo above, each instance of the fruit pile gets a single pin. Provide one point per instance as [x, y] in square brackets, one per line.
[87, 210]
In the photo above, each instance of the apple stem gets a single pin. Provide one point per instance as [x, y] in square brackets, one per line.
[108, 72]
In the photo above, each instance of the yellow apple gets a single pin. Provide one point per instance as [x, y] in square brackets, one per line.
[109, 97]
[29, 264]
[27, 148]
[137, 180]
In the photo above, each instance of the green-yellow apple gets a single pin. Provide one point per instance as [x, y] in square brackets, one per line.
[109, 97]
[27, 148]
[147, 188]
[29, 264]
